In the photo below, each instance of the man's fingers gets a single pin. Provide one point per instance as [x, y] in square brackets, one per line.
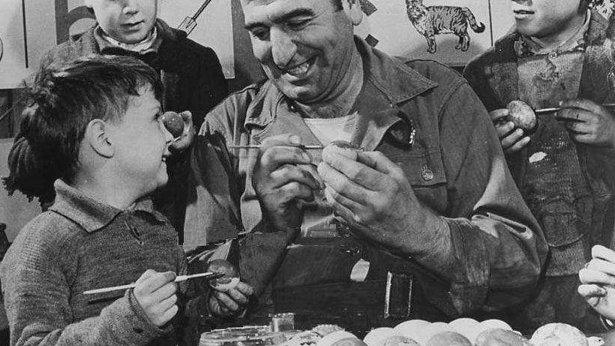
[244, 288]
[512, 138]
[225, 301]
[589, 276]
[345, 207]
[601, 265]
[237, 296]
[292, 173]
[164, 292]
[504, 129]
[342, 184]
[582, 104]
[517, 146]
[277, 156]
[295, 190]
[146, 274]
[335, 167]
[499, 115]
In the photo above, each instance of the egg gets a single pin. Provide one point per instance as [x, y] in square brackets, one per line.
[500, 337]
[411, 327]
[522, 115]
[448, 338]
[554, 334]
[466, 327]
[174, 123]
[230, 278]
[377, 337]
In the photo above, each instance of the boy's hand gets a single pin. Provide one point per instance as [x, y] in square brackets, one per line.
[155, 292]
[598, 281]
[588, 122]
[224, 303]
[185, 140]
[512, 139]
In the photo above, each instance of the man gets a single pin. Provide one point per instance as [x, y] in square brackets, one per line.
[429, 199]
[191, 74]
[558, 54]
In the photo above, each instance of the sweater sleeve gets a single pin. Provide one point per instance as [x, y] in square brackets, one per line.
[37, 299]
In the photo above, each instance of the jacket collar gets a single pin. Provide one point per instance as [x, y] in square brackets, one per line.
[378, 69]
[88, 213]
[503, 77]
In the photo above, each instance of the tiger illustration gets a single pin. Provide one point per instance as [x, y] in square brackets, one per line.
[430, 21]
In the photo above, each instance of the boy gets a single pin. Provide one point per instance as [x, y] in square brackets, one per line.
[97, 120]
[558, 55]
[191, 75]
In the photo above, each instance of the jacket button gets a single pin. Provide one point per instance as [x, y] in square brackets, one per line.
[426, 173]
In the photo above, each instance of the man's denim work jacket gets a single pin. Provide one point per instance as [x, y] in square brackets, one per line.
[455, 166]
[572, 192]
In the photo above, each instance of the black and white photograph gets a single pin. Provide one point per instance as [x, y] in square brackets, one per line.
[307, 172]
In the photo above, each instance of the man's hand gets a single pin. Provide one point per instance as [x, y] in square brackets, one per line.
[588, 122]
[598, 281]
[283, 175]
[224, 303]
[186, 138]
[511, 138]
[374, 196]
[155, 292]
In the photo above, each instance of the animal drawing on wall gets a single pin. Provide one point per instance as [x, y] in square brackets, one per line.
[430, 21]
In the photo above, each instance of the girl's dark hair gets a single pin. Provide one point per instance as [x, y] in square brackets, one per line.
[64, 98]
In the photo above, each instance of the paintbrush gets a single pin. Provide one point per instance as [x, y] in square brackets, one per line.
[304, 147]
[208, 275]
[555, 109]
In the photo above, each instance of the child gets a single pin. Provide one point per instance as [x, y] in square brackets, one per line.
[191, 75]
[557, 56]
[97, 120]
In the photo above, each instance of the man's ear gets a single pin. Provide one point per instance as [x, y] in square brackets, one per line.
[353, 10]
[97, 137]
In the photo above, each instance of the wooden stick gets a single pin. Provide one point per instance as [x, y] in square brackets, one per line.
[179, 278]
[555, 109]
[305, 147]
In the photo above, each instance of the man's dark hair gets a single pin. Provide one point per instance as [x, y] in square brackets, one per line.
[64, 98]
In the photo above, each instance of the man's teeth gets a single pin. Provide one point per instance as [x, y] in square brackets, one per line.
[300, 69]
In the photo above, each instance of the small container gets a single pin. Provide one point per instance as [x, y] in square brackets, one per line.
[282, 322]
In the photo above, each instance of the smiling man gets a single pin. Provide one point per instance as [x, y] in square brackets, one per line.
[558, 55]
[429, 198]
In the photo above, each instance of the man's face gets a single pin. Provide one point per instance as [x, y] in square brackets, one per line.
[128, 21]
[304, 46]
[543, 18]
[141, 144]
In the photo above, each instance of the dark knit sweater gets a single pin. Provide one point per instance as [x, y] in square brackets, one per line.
[80, 244]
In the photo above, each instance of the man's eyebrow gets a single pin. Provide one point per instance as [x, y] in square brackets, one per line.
[298, 12]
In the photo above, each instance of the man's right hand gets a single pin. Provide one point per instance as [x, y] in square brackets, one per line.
[598, 281]
[512, 139]
[284, 174]
[155, 292]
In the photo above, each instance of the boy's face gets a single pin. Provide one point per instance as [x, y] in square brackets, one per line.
[304, 46]
[544, 18]
[128, 21]
[141, 144]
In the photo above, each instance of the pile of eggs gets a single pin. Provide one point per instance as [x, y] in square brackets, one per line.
[469, 332]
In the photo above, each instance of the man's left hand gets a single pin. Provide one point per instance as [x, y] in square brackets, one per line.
[588, 122]
[186, 138]
[374, 196]
[230, 302]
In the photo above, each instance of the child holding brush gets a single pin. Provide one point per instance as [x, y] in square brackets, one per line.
[98, 120]
[559, 55]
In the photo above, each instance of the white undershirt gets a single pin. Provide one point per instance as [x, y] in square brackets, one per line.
[329, 130]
